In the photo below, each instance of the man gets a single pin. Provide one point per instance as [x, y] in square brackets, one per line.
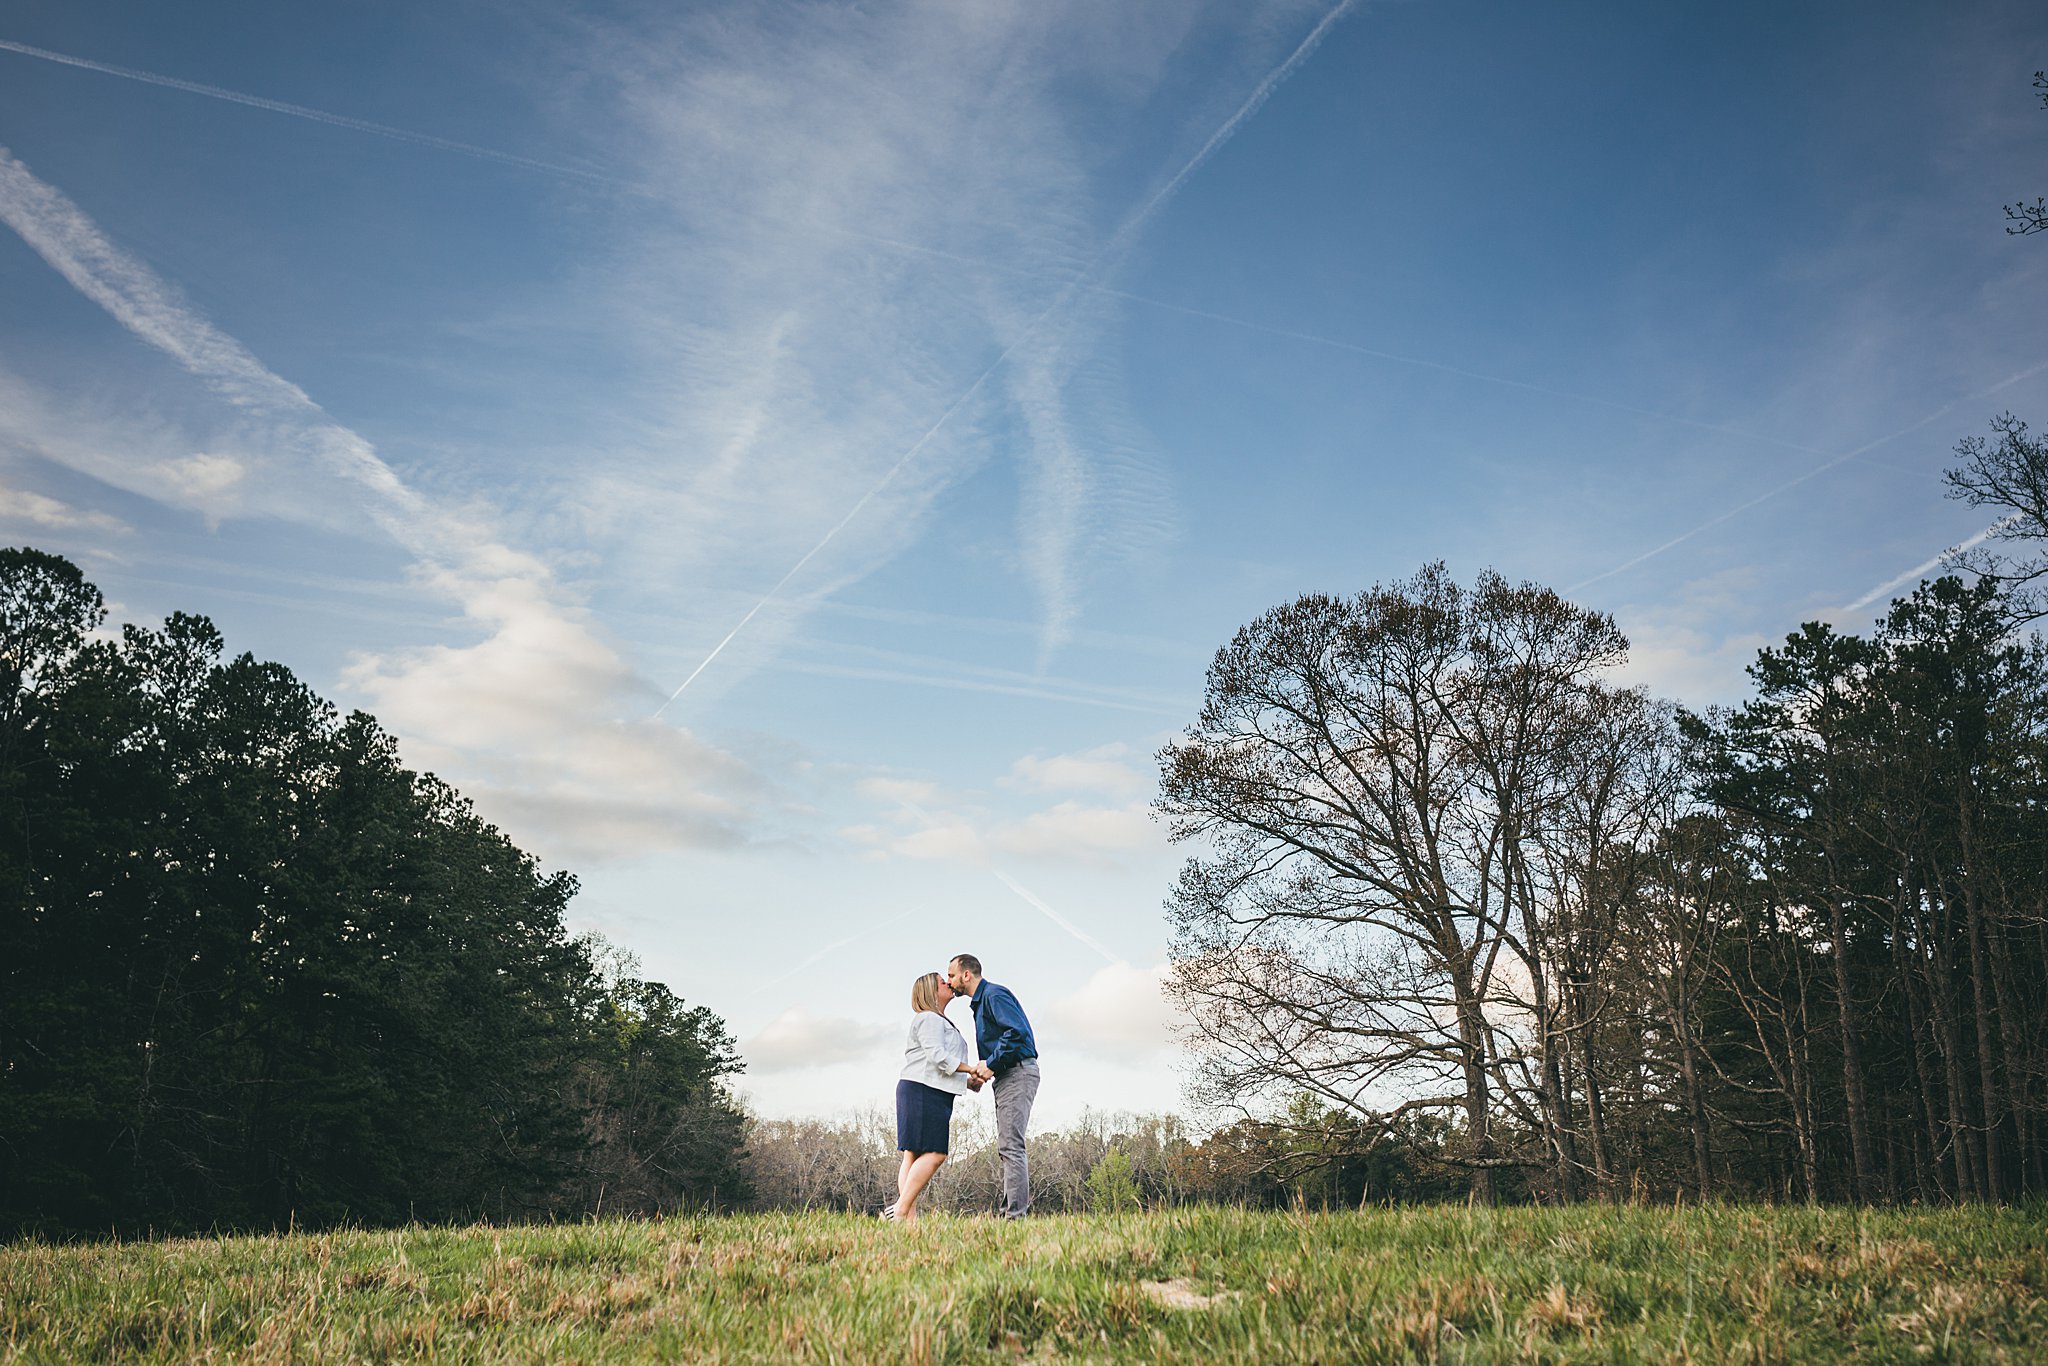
[1009, 1058]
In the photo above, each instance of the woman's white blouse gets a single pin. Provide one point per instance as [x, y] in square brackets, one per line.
[933, 1053]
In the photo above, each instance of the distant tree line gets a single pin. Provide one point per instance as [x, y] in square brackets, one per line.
[255, 972]
[1446, 870]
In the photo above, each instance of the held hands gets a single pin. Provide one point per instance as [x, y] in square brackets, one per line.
[981, 1074]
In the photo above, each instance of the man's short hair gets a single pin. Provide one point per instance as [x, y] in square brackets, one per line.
[968, 961]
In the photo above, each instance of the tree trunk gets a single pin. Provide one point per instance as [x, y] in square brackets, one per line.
[1921, 1033]
[1852, 1060]
[1941, 997]
[1981, 1001]
[1472, 1038]
[1695, 1101]
[1596, 1115]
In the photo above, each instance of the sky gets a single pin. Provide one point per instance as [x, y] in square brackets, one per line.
[791, 463]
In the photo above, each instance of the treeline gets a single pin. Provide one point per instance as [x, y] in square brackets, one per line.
[1105, 1162]
[1796, 949]
[254, 972]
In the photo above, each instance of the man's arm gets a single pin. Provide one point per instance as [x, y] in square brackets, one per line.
[1006, 1038]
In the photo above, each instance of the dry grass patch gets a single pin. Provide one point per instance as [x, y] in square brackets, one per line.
[1179, 1293]
[1557, 1311]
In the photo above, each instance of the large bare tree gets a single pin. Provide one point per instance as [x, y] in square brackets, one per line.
[1383, 792]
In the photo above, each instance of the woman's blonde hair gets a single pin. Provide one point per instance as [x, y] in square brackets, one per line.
[924, 992]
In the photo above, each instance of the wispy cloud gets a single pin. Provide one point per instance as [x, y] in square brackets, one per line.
[797, 1039]
[1106, 768]
[24, 506]
[825, 379]
[529, 709]
[917, 824]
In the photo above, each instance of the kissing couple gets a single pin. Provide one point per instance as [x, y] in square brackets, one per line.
[936, 1068]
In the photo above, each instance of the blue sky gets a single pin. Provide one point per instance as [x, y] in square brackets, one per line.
[933, 387]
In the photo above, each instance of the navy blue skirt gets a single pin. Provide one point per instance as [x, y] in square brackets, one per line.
[924, 1117]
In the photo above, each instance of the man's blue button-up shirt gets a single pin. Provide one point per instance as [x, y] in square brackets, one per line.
[1001, 1032]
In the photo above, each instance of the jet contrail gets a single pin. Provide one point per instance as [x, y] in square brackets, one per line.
[300, 111]
[896, 244]
[853, 511]
[1069, 926]
[147, 306]
[1315, 339]
[842, 943]
[1229, 127]
[1080, 282]
[1816, 471]
[1913, 575]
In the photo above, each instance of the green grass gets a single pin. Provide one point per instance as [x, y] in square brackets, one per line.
[1195, 1285]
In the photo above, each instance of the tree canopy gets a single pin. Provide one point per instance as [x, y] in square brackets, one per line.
[254, 971]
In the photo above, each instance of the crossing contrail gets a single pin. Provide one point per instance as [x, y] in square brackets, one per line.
[1914, 574]
[1228, 128]
[876, 928]
[1080, 282]
[1056, 918]
[419, 139]
[300, 111]
[887, 478]
[1333, 343]
[1813, 473]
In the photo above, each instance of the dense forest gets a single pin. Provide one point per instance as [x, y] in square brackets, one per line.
[256, 973]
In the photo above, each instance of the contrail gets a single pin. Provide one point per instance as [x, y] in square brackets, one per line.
[842, 943]
[853, 511]
[1229, 127]
[300, 111]
[1816, 471]
[1069, 926]
[142, 302]
[1080, 282]
[1914, 574]
[1316, 339]
[420, 139]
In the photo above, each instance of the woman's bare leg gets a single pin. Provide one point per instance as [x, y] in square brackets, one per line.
[922, 1168]
[902, 1179]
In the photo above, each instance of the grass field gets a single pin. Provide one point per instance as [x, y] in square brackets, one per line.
[1196, 1285]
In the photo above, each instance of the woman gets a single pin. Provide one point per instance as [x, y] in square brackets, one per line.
[935, 1069]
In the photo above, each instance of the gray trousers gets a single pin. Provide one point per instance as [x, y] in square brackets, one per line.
[1015, 1090]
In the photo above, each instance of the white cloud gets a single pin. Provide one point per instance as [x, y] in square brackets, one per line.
[901, 791]
[203, 478]
[795, 1040]
[1106, 768]
[1685, 649]
[1120, 1013]
[530, 718]
[1069, 831]
[1073, 831]
[22, 505]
